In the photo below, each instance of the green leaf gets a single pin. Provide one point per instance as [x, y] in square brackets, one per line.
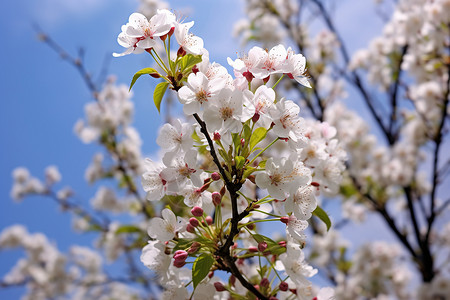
[322, 215]
[182, 244]
[258, 135]
[239, 160]
[188, 61]
[140, 73]
[158, 94]
[127, 229]
[201, 267]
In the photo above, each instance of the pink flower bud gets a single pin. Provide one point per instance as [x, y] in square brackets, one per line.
[252, 249]
[179, 263]
[283, 286]
[209, 220]
[215, 176]
[194, 247]
[216, 198]
[216, 136]
[197, 211]
[190, 228]
[264, 282]
[194, 222]
[219, 286]
[262, 246]
[282, 243]
[242, 143]
[210, 274]
[180, 255]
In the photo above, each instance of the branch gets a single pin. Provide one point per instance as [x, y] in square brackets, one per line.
[223, 253]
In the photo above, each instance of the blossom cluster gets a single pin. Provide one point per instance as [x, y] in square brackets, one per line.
[245, 143]
[52, 274]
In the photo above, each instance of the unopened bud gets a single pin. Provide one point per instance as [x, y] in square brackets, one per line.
[210, 274]
[190, 228]
[242, 143]
[216, 136]
[194, 247]
[282, 243]
[215, 176]
[264, 282]
[181, 52]
[251, 226]
[179, 263]
[222, 190]
[180, 255]
[155, 75]
[284, 286]
[252, 249]
[219, 286]
[209, 220]
[197, 211]
[194, 222]
[262, 246]
[216, 198]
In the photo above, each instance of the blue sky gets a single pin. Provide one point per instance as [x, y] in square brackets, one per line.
[43, 96]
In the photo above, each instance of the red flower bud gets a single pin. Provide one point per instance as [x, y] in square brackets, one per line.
[262, 246]
[190, 228]
[219, 286]
[216, 198]
[181, 52]
[252, 249]
[194, 222]
[264, 282]
[197, 211]
[283, 286]
[179, 263]
[209, 220]
[180, 255]
[216, 136]
[215, 176]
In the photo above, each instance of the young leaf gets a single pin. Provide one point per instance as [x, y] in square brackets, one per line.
[188, 61]
[158, 94]
[140, 73]
[239, 160]
[201, 267]
[322, 215]
[258, 135]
